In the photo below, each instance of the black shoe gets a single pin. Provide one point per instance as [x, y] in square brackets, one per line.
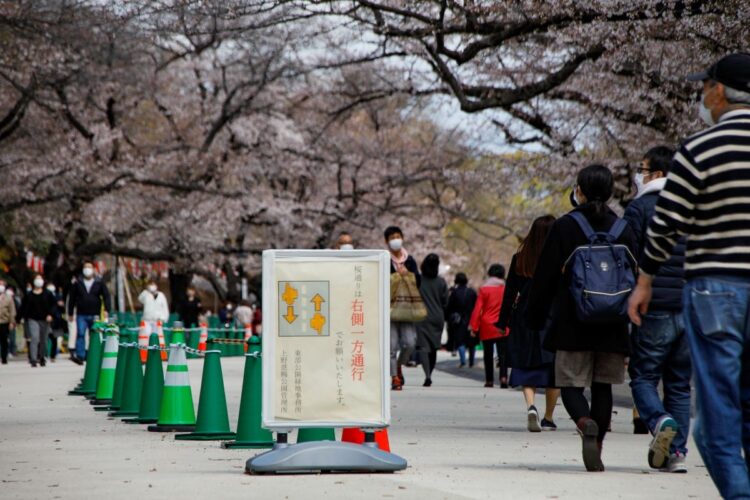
[639, 426]
[592, 454]
[427, 382]
[75, 359]
[5, 361]
[33, 364]
[42, 362]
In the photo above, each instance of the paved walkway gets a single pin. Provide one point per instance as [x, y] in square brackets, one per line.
[461, 441]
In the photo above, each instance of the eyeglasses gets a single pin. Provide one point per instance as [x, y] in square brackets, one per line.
[642, 170]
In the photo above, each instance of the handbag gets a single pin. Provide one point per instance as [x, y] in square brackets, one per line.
[406, 302]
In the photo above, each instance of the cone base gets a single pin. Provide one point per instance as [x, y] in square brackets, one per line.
[106, 408]
[171, 428]
[100, 402]
[80, 392]
[122, 413]
[140, 420]
[247, 444]
[206, 436]
[91, 395]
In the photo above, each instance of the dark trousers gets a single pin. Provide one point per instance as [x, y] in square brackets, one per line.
[4, 333]
[601, 405]
[489, 359]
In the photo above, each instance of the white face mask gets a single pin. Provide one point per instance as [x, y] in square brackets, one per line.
[396, 244]
[38, 283]
[575, 198]
[88, 272]
[151, 288]
[2, 288]
[705, 113]
[347, 246]
[51, 288]
[639, 184]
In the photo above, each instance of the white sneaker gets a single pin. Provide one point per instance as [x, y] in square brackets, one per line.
[533, 420]
[676, 463]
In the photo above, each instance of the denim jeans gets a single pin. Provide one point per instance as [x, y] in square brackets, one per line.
[660, 351]
[83, 323]
[718, 328]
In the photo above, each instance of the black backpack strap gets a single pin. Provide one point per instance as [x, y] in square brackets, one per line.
[617, 228]
[583, 223]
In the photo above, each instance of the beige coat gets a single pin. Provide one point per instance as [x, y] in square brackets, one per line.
[7, 309]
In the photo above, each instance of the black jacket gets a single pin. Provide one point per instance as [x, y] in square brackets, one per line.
[411, 266]
[669, 281]
[549, 292]
[37, 306]
[189, 311]
[461, 303]
[88, 303]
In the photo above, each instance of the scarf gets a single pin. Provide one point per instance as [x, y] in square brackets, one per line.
[398, 262]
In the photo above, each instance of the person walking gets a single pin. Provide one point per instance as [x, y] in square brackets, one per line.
[482, 324]
[37, 308]
[705, 199]
[532, 366]
[458, 312]
[587, 354]
[403, 333]
[7, 320]
[87, 297]
[659, 347]
[434, 292]
[57, 327]
[155, 307]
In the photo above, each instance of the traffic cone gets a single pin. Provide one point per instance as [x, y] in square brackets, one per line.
[306, 435]
[125, 337]
[160, 332]
[133, 381]
[213, 420]
[177, 412]
[203, 338]
[248, 334]
[106, 382]
[93, 362]
[250, 434]
[143, 336]
[178, 334]
[153, 386]
[355, 435]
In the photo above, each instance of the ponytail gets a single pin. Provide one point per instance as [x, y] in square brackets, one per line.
[596, 183]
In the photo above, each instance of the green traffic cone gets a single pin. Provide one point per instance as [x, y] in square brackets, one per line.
[122, 352]
[178, 333]
[93, 363]
[213, 420]
[132, 384]
[153, 385]
[250, 434]
[177, 412]
[106, 381]
[322, 434]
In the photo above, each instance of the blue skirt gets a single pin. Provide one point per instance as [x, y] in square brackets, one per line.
[544, 376]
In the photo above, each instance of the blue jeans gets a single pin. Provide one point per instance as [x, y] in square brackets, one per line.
[660, 351]
[718, 328]
[83, 323]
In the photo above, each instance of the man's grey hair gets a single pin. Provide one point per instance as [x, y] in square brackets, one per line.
[735, 96]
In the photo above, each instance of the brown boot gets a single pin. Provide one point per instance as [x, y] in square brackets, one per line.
[395, 383]
[592, 453]
[402, 380]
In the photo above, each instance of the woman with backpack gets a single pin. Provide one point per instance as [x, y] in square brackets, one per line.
[584, 275]
[532, 365]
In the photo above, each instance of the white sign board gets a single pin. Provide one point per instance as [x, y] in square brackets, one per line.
[326, 338]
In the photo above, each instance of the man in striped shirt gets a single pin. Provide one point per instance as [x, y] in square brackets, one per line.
[707, 198]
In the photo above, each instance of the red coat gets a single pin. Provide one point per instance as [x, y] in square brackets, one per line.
[487, 309]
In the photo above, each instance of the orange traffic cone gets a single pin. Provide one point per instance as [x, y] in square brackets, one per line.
[143, 332]
[160, 332]
[355, 435]
[203, 338]
[248, 333]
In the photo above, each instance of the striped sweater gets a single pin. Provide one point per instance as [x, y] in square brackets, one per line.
[707, 198]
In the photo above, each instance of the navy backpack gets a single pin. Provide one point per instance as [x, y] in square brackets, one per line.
[602, 274]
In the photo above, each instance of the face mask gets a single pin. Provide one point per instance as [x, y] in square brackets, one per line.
[51, 288]
[152, 288]
[88, 272]
[347, 246]
[10, 292]
[705, 113]
[576, 201]
[396, 244]
[2, 288]
[639, 184]
[229, 307]
[38, 283]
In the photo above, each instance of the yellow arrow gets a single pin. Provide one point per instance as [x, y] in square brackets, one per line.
[290, 294]
[290, 316]
[317, 300]
[317, 323]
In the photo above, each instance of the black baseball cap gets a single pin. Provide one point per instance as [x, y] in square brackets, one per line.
[732, 70]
